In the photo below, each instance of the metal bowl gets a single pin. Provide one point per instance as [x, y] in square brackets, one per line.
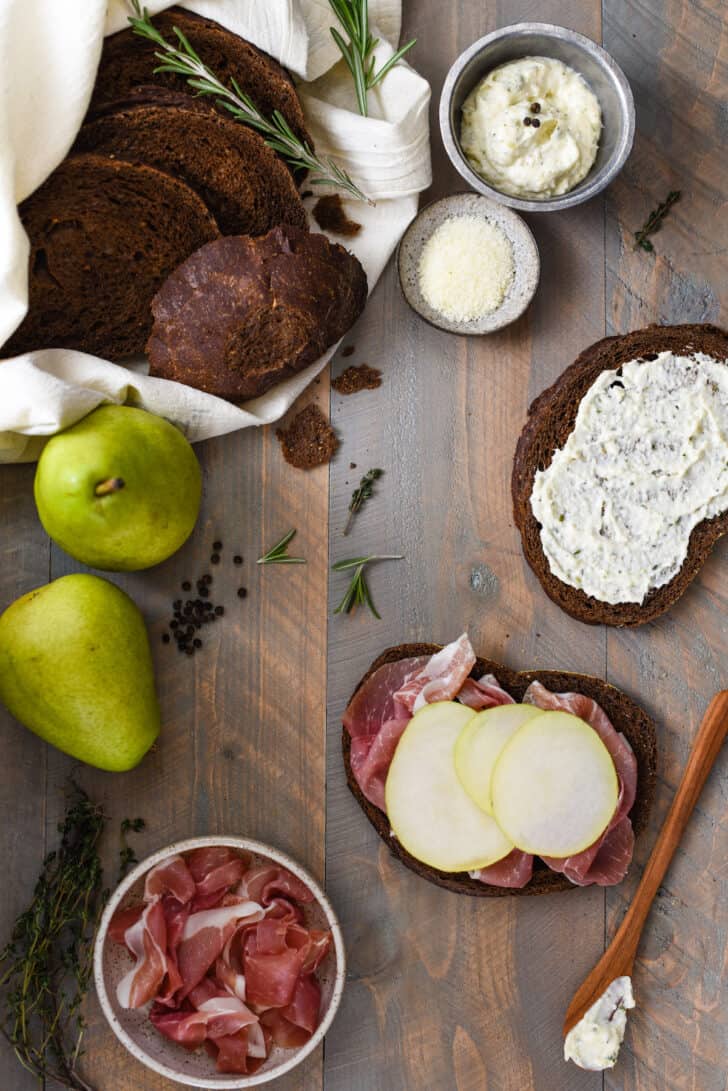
[601, 72]
[133, 1028]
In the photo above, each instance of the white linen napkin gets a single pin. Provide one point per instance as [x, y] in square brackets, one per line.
[49, 52]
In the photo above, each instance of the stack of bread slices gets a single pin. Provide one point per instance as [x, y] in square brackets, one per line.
[155, 173]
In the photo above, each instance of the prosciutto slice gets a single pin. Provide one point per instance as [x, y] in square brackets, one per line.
[607, 860]
[486, 693]
[514, 870]
[173, 877]
[441, 678]
[147, 941]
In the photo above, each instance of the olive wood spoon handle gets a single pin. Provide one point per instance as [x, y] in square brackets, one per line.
[618, 959]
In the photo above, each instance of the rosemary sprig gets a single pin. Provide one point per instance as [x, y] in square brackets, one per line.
[278, 554]
[358, 51]
[655, 221]
[127, 855]
[45, 969]
[358, 593]
[277, 133]
[361, 494]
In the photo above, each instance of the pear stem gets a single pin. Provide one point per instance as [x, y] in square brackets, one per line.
[112, 484]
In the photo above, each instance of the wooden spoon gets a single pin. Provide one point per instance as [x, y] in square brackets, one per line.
[618, 959]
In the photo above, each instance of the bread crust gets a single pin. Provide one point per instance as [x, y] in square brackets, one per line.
[625, 714]
[551, 419]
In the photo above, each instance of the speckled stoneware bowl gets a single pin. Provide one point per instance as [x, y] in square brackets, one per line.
[601, 72]
[525, 259]
[133, 1028]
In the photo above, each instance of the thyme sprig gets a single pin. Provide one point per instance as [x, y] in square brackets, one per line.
[358, 593]
[183, 60]
[45, 969]
[654, 221]
[127, 855]
[363, 492]
[278, 554]
[358, 51]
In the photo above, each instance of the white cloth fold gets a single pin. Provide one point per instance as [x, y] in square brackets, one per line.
[49, 51]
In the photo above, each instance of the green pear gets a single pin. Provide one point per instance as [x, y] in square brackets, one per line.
[119, 490]
[76, 668]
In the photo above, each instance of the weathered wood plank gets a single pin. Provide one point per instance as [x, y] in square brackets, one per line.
[445, 991]
[24, 564]
[675, 58]
[242, 743]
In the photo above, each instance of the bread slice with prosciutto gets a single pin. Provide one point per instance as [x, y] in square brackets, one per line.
[405, 678]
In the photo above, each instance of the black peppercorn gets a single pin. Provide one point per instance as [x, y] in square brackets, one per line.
[197, 642]
[527, 121]
[204, 591]
[242, 592]
[536, 123]
[217, 546]
[186, 586]
[165, 638]
[219, 610]
[215, 558]
[237, 559]
[535, 107]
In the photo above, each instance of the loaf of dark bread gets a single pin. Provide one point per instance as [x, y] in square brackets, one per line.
[128, 61]
[551, 419]
[243, 314]
[104, 234]
[245, 185]
[625, 714]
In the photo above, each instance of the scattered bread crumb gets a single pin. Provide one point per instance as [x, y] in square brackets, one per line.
[356, 378]
[309, 439]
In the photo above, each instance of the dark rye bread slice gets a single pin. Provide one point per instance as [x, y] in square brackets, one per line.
[104, 234]
[243, 314]
[551, 419]
[625, 714]
[245, 185]
[128, 61]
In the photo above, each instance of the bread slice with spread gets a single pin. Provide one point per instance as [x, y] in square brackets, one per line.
[390, 773]
[620, 477]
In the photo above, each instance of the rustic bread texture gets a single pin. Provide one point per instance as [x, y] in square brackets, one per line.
[243, 314]
[244, 184]
[551, 419]
[104, 234]
[625, 715]
[128, 61]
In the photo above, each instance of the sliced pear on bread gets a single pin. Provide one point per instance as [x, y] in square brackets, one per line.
[554, 787]
[480, 743]
[428, 809]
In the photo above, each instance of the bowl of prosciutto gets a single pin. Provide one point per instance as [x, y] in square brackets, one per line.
[219, 963]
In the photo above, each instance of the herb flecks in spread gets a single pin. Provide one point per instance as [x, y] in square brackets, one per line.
[466, 268]
[531, 128]
[277, 133]
[646, 462]
[595, 1040]
[654, 222]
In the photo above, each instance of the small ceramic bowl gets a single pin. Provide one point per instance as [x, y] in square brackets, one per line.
[133, 1028]
[525, 258]
[601, 72]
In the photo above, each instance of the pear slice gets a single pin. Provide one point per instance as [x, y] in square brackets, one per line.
[480, 743]
[554, 786]
[428, 809]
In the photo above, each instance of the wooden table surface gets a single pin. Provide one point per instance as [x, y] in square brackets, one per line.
[443, 992]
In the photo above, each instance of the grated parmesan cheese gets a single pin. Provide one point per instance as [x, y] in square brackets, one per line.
[466, 268]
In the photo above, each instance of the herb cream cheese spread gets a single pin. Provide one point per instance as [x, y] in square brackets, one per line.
[595, 1040]
[531, 127]
[646, 462]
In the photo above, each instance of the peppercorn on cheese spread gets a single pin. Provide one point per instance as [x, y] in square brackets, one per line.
[531, 128]
[646, 462]
[466, 268]
[595, 1040]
